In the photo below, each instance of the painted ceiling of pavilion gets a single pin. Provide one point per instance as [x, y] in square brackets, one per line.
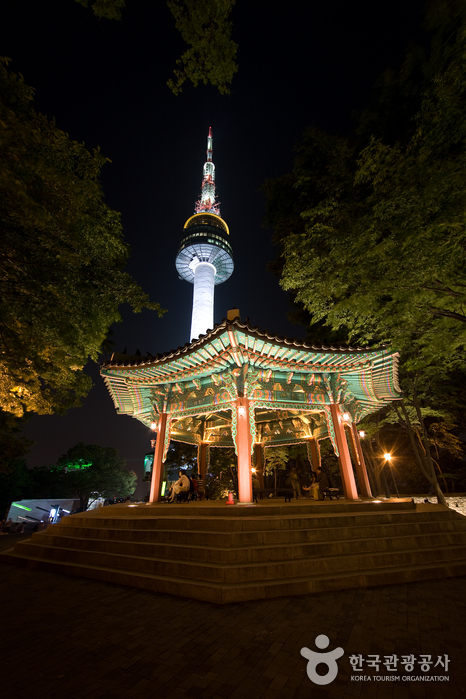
[290, 385]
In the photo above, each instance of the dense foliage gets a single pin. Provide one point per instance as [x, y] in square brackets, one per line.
[205, 28]
[372, 226]
[62, 257]
[84, 473]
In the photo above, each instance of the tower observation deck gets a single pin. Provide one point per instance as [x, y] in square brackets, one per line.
[205, 256]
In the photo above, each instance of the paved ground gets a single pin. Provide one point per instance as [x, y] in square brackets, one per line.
[71, 637]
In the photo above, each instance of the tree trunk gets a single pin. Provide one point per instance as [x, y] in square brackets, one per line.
[438, 491]
[370, 466]
[375, 466]
[426, 469]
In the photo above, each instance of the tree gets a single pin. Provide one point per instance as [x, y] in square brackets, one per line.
[206, 29]
[13, 445]
[110, 9]
[14, 484]
[88, 472]
[62, 257]
[383, 239]
[276, 459]
[210, 58]
[372, 229]
[222, 473]
[180, 456]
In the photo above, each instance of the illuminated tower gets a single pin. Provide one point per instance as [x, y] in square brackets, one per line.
[205, 256]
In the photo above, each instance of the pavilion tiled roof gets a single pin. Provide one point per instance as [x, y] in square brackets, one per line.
[370, 375]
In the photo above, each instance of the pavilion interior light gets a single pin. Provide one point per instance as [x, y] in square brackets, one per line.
[345, 417]
[153, 425]
[362, 434]
[387, 456]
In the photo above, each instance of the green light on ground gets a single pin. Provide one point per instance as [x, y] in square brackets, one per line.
[164, 485]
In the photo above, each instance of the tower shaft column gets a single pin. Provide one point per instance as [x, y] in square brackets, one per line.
[203, 299]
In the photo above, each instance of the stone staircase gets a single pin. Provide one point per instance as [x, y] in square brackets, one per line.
[229, 554]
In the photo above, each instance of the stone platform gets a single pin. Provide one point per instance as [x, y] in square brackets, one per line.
[217, 553]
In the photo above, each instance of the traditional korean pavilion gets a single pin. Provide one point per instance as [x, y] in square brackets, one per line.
[237, 386]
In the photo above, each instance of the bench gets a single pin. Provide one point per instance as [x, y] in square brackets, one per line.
[331, 493]
[287, 492]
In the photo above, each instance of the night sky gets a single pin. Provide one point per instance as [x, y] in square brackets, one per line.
[104, 82]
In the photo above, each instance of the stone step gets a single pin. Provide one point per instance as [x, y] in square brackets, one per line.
[224, 594]
[227, 555]
[234, 572]
[240, 523]
[274, 508]
[256, 552]
[309, 532]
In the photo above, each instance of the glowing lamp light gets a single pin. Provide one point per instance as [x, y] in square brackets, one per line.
[153, 425]
[253, 470]
[345, 417]
[387, 456]
[362, 434]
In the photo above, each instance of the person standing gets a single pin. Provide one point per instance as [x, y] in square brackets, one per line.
[295, 484]
[322, 481]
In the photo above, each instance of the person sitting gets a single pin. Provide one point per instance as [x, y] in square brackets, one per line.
[313, 487]
[181, 486]
[322, 482]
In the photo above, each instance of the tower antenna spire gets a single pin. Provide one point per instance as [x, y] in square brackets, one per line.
[205, 256]
[206, 202]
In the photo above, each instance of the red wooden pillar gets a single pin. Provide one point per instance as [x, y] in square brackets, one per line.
[346, 468]
[243, 447]
[157, 468]
[314, 454]
[259, 463]
[202, 465]
[361, 469]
